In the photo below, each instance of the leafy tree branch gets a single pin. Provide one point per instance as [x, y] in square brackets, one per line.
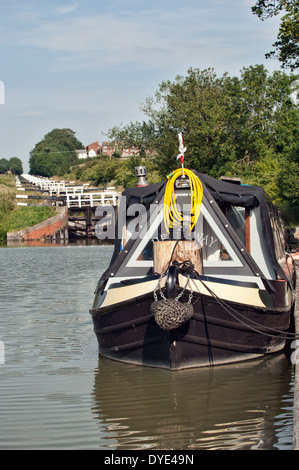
[287, 44]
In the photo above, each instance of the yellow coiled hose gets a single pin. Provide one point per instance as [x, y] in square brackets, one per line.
[172, 216]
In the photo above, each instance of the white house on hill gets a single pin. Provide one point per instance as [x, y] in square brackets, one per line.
[90, 151]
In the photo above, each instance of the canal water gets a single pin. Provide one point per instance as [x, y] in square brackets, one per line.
[55, 393]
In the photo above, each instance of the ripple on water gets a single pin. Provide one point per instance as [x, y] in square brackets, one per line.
[56, 394]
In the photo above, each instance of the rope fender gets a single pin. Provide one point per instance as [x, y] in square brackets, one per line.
[169, 313]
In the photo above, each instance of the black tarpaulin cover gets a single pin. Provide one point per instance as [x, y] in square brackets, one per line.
[221, 191]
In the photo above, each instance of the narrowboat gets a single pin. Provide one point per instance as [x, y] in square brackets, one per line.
[200, 275]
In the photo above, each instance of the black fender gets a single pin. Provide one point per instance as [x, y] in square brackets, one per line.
[172, 282]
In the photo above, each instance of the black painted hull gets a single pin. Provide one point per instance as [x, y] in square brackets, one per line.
[128, 332]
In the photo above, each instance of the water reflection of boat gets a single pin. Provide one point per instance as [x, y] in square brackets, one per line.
[229, 407]
[188, 288]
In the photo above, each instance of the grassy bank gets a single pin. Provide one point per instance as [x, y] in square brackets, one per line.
[13, 217]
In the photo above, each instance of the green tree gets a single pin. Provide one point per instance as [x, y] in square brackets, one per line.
[224, 120]
[139, 135]
[16, 166]
[197, 106]
[266, 112]
[287, 44]
[55, 153]
[4, 165]
[243, 126]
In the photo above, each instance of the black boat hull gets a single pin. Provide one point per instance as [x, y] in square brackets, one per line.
[128, 332]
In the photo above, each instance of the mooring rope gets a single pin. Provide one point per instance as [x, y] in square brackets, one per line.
[244, 320]
[180, 313]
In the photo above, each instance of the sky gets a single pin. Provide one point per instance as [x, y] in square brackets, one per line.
[89, 65]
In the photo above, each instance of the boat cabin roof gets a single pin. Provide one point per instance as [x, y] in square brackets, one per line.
[225, 206]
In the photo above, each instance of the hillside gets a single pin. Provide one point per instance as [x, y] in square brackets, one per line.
[13, 217]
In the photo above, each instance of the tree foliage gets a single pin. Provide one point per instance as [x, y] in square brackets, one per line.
[55, 153]
[14, 165]
[4, 165]
[287, 44]
[243, 126]
[104, 170]
[138, 135]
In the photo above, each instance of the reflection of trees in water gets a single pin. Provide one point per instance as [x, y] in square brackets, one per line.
[227, 407]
